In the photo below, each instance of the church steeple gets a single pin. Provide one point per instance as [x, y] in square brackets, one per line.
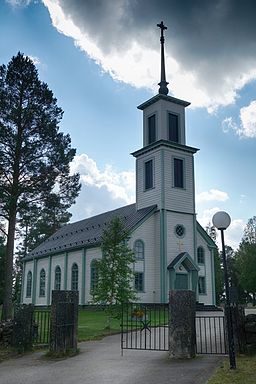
[163, 90]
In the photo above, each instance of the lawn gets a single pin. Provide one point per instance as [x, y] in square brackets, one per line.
[95, 325]
[244, 374]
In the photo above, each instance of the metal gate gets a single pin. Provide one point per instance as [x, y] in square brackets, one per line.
[145, 326]
[211, 335]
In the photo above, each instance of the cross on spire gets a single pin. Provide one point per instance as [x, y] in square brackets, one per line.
[163, 83]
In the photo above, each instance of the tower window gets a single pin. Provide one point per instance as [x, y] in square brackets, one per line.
[178, 171]
[148, 174]
[174, 128]
[151, 129]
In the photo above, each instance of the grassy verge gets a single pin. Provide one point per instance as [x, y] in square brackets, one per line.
[244, 374]
[93, 325]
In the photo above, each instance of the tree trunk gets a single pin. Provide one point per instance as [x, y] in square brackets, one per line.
[7, 303]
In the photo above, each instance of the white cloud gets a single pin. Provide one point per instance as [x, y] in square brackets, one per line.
[120, 185]
[233, 233]
[34, 59]
[247, 126]
[19, 3]
[199, 60]
[211, 195]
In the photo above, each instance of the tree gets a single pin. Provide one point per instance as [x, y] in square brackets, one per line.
[115, 274]
[2, 255]
[34, 155]
[250, 231]
[246, 267]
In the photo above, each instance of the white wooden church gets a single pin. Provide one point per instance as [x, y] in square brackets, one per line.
[172, 250]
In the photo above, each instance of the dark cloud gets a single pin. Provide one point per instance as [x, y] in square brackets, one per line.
[214, 40]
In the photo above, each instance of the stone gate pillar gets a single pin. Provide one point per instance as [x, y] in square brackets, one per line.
[23, 327]
[64, 322]
[182, 331]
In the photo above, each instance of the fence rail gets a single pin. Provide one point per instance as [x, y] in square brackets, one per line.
[41, 326]
[211, 335]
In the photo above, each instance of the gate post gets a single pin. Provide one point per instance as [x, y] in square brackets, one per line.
[64, 321]
[22, 337]
[182, 330]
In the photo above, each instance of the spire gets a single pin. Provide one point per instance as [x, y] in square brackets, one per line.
[163, 90]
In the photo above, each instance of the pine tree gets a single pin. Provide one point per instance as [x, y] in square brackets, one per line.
[34, 155]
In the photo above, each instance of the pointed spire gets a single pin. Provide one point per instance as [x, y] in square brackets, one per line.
[163, 90]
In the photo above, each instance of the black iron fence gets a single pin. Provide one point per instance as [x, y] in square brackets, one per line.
[211, 335]
[41, 326]
[145, 326]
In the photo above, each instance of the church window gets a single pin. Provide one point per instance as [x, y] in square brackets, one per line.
[148, 174]
[200, 255]
[139, 250]
[174, 128]
[178, 171]
[29, 284]
[180, 230]
[139, 281]
[201, 285]
[94, 275]
[42, 283]
[57, 278]
[74, 277]
[151, 129]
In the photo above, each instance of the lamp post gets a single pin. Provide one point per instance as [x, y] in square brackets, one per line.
[221, 220]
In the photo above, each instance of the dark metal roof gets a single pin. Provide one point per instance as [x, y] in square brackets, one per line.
[88, 232]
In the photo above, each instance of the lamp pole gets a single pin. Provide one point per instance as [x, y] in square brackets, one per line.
[221, 220]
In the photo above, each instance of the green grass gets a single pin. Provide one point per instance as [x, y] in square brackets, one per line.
[245, 373]
[95, 325]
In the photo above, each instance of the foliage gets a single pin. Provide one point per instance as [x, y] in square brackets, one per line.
[250, 231]
[246, 267]
[211, 231]
[115, 274]
[34, 155]
[219, 278]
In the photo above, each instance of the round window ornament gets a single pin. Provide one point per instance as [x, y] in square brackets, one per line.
[179, 230]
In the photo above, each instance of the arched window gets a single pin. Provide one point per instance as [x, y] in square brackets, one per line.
[57, 278]
[139, 250]
[74, 277]
[94, 275]
[200, 255]
[42, 283]
[29, 284]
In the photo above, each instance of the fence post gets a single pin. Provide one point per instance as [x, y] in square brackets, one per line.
[23, 327]
[64, 322]
[182, 331]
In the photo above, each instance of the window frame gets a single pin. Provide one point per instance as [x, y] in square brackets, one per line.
[177, 177]
[203, 279]
[29, 284]
[151, 129]
[74, 281]
[177, 128]
[200, 254]
[137, 252]
[139, 284]
[42, 283]
[57, 278]
[149, 183]
[94, 275]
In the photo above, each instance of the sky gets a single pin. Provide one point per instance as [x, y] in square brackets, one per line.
[101, 59]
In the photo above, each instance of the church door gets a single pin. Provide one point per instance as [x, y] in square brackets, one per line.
[181, 281]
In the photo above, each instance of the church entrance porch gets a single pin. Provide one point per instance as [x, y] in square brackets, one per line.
[183, 273]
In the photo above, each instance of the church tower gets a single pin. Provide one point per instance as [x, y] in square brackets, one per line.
[165, 177]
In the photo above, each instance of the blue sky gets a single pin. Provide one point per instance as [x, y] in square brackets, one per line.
[101, 59]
